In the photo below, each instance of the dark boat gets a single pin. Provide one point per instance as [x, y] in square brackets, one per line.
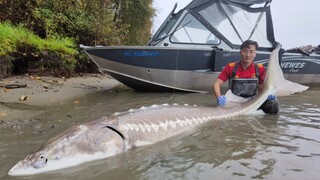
[192, 46]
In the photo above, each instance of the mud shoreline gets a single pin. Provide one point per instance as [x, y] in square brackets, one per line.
[21, 97]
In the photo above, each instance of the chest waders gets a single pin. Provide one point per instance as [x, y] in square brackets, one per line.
[244, 87]
[248, 87]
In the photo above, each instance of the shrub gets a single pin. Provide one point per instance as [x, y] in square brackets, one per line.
[19, 42]
[39, 28]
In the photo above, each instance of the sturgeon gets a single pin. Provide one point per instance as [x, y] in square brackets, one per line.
[119, 132]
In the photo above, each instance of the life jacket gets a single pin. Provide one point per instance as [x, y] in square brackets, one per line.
[244, 87]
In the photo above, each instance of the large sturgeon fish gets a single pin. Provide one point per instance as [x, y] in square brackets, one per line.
[119, 132]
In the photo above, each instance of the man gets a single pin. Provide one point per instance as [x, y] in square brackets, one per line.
[245, 78]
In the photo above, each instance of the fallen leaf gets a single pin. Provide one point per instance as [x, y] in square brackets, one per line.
[23, 98]
[6, 90]
[35, 77]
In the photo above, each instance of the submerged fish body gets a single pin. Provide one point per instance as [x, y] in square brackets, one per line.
[119, 132]
[115, 134]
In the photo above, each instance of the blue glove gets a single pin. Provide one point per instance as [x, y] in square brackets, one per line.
[221, 101]
[271, 97]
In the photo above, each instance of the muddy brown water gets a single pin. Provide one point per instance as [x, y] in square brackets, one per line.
[284, 146]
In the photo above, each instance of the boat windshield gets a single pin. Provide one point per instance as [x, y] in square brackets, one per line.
[165, 29]
[209, 22]
[190, 30]
[237, 24]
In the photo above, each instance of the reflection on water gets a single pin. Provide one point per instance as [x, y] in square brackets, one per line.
[285, 146]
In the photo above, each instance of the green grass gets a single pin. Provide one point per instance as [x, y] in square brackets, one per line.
[15, 38]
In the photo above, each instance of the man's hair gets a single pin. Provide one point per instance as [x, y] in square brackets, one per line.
[247, 43]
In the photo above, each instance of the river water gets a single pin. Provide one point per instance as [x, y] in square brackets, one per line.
[283, 146]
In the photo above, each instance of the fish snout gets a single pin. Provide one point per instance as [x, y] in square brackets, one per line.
[29, 164]
[13, 171]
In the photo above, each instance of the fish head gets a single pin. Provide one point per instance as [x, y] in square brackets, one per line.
[30, 164]
[72, 149]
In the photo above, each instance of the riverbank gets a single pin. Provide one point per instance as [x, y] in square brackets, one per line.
[43, 91]
[36, 91]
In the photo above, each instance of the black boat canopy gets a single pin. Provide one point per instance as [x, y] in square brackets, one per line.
[230, 21]
[250, 2]
[243, 2]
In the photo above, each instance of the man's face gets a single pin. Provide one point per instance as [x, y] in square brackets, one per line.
[248, 54]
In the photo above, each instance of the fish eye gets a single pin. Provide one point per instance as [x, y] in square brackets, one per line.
[40, 163]
[42, 157]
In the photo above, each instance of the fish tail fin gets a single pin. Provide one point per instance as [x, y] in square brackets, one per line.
[275, 77]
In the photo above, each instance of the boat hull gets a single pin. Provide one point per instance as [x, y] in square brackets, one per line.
[303, 69]
[193, 70]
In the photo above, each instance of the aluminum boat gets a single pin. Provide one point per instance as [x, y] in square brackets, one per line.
[191, 47]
